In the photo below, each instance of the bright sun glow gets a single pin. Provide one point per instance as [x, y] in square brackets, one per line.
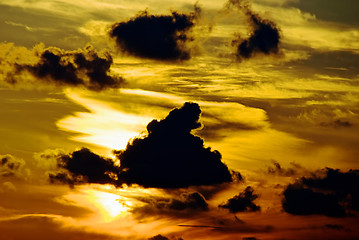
[102, 202]
[110, 205]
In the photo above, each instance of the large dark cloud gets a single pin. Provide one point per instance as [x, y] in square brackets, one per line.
[161, 37]
[242, 202]
[264, 37]
[170, 156]
[85, 68]
[84, 166]
[331, 192]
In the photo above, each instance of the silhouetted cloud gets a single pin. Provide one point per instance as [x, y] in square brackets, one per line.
[161, 37]
[331, 193]
[249, 238]
[242, 202]
[335, 227]
[84, 166]
[160, 237]
[12, 167]
[73, 68]
[264, 37]
[170, 156]
[185, 204]
[277, 169]
[337, 124]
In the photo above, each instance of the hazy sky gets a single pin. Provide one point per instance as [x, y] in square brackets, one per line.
[160, 120]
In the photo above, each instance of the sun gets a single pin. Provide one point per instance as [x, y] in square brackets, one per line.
[110, 205]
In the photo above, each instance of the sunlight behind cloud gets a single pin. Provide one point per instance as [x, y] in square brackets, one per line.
[103, 125]
[109, 204]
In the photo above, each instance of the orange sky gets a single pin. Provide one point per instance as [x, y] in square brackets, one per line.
[273, 87]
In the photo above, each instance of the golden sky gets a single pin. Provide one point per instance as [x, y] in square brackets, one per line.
[169, 120]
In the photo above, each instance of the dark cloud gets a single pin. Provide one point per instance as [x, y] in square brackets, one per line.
[242, 202]
[170, 156]
[160, 237]
[277, 169]
[337, 124]
[264, 37]
[84, 166]
[11, 166]
[335, 227]
[73, 68]
[185, 204]
[161, 37]
[331, 192]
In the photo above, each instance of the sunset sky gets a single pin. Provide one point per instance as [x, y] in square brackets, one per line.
[179, 120]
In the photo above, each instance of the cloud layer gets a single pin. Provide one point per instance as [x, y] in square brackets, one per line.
[161, 37]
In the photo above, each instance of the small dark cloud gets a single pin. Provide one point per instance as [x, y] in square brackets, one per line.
[184, 205]
[335, 227]
[170, 156]
[73, 68]
[242, 202]
[185, 201]
[84, 166]
[337, 124]
[264, 37]
[249, 238]
[10, 166]
[160, 237]
[277, 169]
[331, 192]
[161, 37]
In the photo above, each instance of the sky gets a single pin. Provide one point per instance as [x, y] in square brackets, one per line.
[179, 120]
